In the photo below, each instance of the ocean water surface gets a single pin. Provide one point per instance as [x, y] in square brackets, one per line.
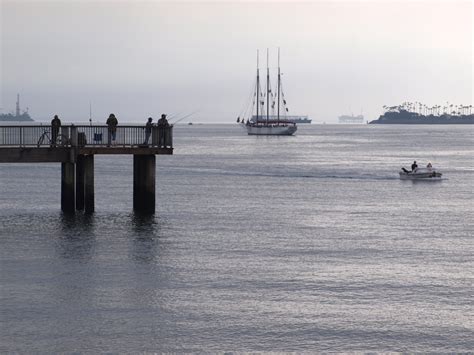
[303, 243]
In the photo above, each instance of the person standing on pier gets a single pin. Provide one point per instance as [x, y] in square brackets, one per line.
[162, 126]
[148, 127]
[112, 128]
[55, 124]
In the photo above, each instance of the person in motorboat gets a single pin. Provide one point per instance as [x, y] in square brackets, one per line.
[420, 173]
[414, 166]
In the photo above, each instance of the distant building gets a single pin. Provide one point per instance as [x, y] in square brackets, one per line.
[351, 119]
[17, 116]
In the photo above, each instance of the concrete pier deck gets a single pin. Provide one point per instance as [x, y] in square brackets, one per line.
[75, 147]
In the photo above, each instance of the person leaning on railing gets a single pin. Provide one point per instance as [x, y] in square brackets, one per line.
[162, 127]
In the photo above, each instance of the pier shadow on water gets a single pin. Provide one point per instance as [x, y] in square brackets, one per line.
[81, 236]
[145, 235]
[77, 237]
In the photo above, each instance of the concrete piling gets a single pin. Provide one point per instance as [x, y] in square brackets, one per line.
[85, 183]
[144, 167]
[68, 200]
[80, 182]
[89, 183]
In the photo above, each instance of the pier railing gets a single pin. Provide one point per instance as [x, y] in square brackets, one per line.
[85, 136]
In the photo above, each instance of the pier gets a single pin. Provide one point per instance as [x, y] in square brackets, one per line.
[75, 147]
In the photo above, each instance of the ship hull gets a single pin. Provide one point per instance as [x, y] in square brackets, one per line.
[346, 119]
[432, 177]
[275, 118]
[421, 174]
[271, 130]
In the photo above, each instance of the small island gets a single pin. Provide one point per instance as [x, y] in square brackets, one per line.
[417, 113]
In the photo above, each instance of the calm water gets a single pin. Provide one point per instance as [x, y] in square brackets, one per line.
[304, 243]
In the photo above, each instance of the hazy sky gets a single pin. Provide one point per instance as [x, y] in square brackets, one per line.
[142, 58]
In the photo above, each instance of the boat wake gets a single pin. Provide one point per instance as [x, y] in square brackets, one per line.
[289, 175]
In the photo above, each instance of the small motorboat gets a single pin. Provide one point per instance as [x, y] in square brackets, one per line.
[420, 174]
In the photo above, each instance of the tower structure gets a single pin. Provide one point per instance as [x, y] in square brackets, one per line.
[17, 105]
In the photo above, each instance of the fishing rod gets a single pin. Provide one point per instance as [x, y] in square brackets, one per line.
[182, 118]
[90, 113]
[172, 116]
[178, 115]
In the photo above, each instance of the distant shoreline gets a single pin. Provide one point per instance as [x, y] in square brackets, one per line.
[406, 117]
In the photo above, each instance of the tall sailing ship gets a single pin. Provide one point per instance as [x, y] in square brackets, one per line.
[262, 123]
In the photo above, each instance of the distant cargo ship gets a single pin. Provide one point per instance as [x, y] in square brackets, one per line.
[407, 114]
[17, 116]
[351, 119]
[273, 118]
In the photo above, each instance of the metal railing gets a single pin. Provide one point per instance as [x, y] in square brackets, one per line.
[86, 136]
[33, 135]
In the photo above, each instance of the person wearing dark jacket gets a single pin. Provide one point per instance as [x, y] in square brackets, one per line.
[162, 128]
[414, 166]
[112, 123]
[55, 125]
[148, 128]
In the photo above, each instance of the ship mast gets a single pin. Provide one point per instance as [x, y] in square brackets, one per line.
[278, 106]
[258, 89]
[268, 89]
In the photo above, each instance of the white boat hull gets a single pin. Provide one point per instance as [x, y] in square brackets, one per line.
[261, 130]
[421, 174]
[274, 118]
